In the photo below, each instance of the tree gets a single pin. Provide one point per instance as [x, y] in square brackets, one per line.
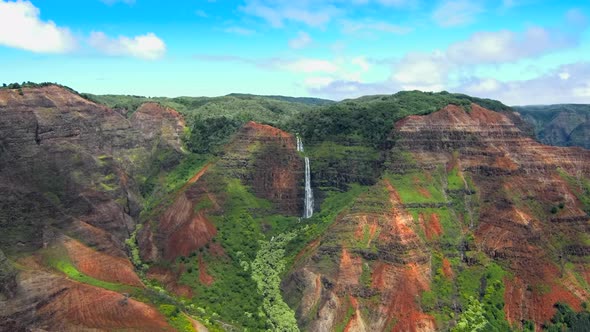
[472, 319]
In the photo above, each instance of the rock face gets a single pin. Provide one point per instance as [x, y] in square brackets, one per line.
[367, 271]
[7, 277]
[53, 303]
[70, 166]
[459, 185]
[265, 158]
[529, 200]
[63, 157]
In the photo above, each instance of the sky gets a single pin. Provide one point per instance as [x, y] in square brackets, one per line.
[518, 51]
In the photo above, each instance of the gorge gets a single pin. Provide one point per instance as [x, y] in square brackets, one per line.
[407, 212]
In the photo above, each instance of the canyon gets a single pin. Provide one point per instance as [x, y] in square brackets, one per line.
[110, 223]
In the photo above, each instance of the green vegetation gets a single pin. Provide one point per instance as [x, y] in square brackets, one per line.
[266, 271]
[176, 318]
[565, 319]
[57, 258]
[29, 84]
[561, 125]
[160, 184]
[208, 135]
[472, 319]
[371, 118]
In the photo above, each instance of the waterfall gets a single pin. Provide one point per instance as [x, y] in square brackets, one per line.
[299, 144]
[308, 208]
[308, 200]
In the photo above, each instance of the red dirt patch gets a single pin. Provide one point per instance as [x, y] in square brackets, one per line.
[401, 286]
[188, 230]
[169, 280]
[424, 192]
[204, 277]
[433, 227]
[101, 266]
[447, 269]
[265, 130]
[96, 308]
[350, 269]
[312, 246]
[535, 302]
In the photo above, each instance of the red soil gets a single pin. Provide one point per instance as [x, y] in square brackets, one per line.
[216, 249]
[102, 266]
[95, 308]
[425, 193]
[433, 227]
[169, 280]
[312, 246]
[265, 130]
[188, 230]
[535, 302]
[350, 269]
[402, 286]
[197, 176]
[447, 269]
[204, 277]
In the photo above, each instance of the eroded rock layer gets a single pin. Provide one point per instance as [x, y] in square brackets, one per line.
[469, 197]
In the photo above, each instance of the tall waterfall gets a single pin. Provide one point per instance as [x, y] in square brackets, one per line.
[299, 144]
[308, 200]
[308, 208]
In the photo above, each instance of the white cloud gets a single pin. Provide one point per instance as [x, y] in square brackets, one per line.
[21, 27]
[352, 27]
[564, 75]
[485, 85]
[362, 62]
[239, 31]
[506, 46]
[302, 40]
[432, 71]
[311, 66]
[147, 46]
[317, 82]
[456, 12]
[417, 71]
[277, 12]
[549, 88]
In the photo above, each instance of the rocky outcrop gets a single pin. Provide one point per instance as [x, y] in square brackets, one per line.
[366, 272]
[530, 198]
[64, 159]
[467, 184]
[53, 303]
[265, 158]
[70, 166]
[7, 277]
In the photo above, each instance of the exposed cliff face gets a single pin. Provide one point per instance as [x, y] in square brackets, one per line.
[53, 303]
[459, 184]
[265, 158]
[64, 159]
[7, 277]
[70, 166]
[367, 270]
[530, 211]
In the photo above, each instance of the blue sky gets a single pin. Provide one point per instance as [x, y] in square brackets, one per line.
[518, 51]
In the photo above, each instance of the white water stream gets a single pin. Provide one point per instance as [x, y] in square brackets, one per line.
[308, 200]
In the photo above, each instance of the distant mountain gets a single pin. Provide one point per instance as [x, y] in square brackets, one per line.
[561, 125]
[302, 100]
